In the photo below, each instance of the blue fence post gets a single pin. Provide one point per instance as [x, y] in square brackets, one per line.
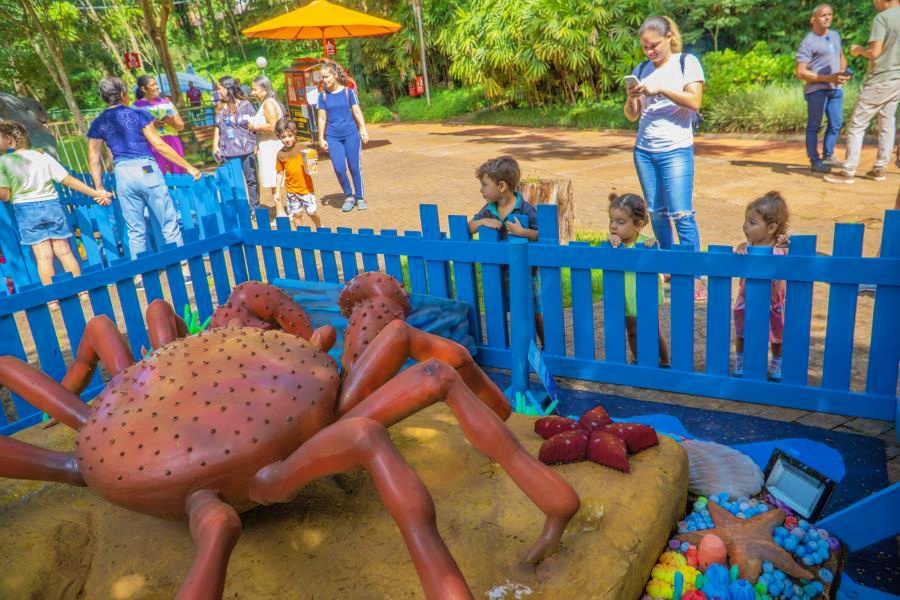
[718, 320]
[848, 239]
[797, 318]
[521, 316]
[884, 347]
[551, 282]
[436, 270]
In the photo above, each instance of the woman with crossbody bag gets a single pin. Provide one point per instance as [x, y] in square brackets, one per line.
[665, 93]
[342, 132]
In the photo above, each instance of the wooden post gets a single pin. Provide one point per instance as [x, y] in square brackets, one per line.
[558, 192]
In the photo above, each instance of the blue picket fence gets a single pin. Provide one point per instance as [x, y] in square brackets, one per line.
[456, 266]
[100, 230]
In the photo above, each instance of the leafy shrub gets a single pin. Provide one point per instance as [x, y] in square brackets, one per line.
[445, 104]
[378, 114]
[773, 108]
[727, 70]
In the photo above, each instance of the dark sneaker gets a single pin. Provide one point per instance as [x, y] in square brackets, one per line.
[877, 174]
[831, 161]
[842, 177]
[820, 167]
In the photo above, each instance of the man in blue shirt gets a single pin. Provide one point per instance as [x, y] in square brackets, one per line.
[821, 64]
[129, 133]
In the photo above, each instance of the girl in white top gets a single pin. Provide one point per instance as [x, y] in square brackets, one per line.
[666, 99]
[26, 179]
[267, 143]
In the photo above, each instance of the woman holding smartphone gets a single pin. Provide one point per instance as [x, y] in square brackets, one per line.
[665, 93]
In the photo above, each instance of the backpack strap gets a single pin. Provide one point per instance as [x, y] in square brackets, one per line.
[681, 60]
[641, 68]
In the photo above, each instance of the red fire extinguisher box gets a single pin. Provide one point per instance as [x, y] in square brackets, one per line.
[413, 88]
[420, 85]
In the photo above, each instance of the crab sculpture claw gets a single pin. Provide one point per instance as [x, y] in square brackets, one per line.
[263, 306]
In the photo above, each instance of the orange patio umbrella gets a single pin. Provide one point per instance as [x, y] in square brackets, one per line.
[321, 20]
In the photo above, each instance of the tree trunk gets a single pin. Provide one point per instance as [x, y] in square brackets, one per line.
[156, 27]
[53, 63]
[237, 33]
[558, 192]
[123, 19]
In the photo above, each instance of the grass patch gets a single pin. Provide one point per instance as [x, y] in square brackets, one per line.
[599, 115]
[445, 104]
[769, 108]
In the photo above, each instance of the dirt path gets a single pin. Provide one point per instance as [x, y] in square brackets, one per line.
[406, 165]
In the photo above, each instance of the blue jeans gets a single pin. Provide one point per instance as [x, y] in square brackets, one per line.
[667, 180]
[139, 182]
[344, 151]
[831, 104]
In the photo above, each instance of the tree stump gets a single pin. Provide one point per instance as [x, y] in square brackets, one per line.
[558, 192]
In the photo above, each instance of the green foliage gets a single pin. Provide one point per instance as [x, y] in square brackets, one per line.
[377, 114]
[711, 17]
[445, 104]
[771, 108]
[727, 71]
[596, 115]
[537, 52]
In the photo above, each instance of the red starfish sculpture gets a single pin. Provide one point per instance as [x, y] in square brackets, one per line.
[749, 542]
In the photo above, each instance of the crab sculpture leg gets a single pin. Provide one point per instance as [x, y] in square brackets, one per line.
[103, 342]
[373, 395]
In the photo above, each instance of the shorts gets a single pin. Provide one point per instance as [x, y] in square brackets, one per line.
[535, 290]
[41, 221]
[776, 324]
[297, 204]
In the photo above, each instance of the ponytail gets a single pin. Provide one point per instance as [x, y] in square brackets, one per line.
[666, 27]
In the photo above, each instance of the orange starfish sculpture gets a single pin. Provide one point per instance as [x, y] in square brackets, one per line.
[749, 542]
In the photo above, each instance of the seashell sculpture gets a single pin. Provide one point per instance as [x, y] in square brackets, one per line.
[717, 468]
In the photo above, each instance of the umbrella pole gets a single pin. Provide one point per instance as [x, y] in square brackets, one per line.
[324, 45]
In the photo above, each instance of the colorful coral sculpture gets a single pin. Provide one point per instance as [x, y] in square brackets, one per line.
[253, 409]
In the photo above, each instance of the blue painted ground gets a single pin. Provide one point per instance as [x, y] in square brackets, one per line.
[863, 458]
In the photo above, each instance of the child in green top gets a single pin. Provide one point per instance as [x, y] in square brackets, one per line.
[627, 216]
[26, 180]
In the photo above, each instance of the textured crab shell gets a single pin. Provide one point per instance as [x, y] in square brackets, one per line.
[205, 412]
[367, 286]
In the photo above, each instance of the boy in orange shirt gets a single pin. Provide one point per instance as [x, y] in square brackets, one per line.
[292, 176]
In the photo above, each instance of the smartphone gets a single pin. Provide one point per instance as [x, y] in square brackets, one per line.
[631, 81]
[848, 72]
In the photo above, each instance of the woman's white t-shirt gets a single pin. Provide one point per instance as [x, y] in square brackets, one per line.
[665, 125]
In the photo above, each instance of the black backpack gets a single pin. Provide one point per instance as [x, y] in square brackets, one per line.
[698, 118]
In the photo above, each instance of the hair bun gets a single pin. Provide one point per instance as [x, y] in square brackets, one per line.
[612, 196]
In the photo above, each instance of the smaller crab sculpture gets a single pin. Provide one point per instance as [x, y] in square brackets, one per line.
[253, 409]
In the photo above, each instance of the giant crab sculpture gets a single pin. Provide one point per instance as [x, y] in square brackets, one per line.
[254, 409]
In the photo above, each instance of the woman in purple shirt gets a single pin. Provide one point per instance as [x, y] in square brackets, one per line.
[131, 136]
[232, 138]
